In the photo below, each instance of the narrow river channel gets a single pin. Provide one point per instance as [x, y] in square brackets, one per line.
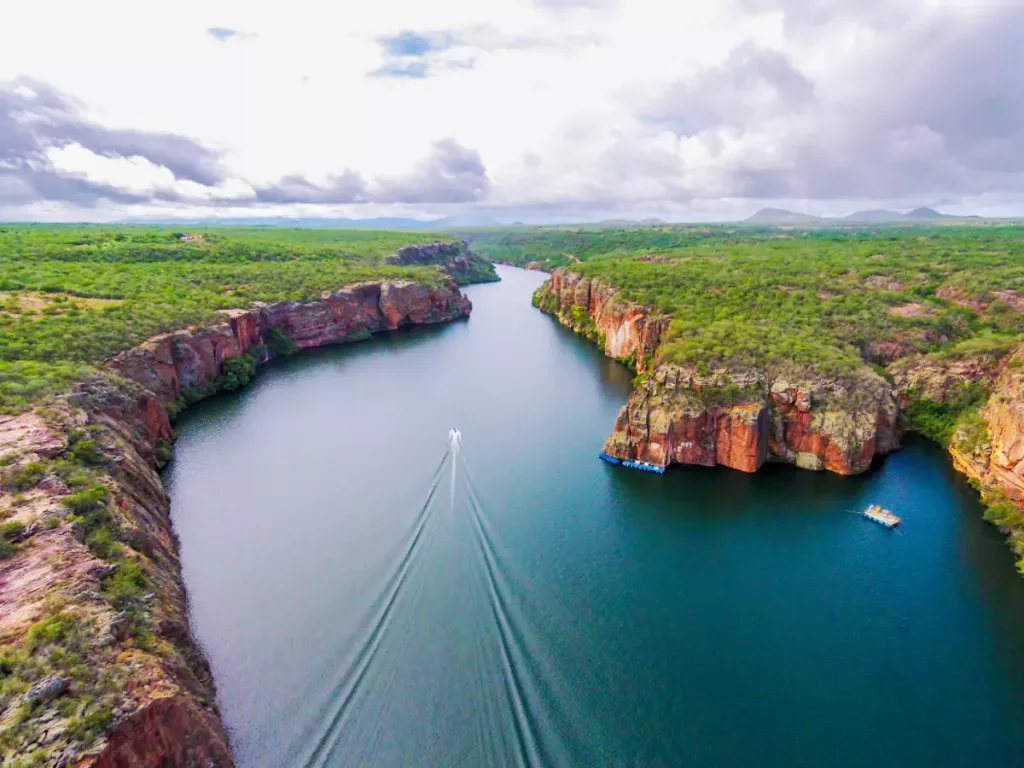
[366, 601]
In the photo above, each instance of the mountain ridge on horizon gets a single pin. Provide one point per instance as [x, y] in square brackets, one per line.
[871, 216]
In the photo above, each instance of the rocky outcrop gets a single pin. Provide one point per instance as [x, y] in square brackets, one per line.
[103, 585]
[738, 418]
[170, 731]
[991, 451]
[624, 330]
[677, 416]
[941, 378]
[455, 258]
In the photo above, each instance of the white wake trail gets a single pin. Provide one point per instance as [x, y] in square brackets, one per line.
[454, 445]
[455, 461]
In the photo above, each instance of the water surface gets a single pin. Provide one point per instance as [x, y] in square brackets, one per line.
[365, 602]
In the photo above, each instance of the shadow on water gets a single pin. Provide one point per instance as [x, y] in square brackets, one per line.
[225, 407]
[615, 378]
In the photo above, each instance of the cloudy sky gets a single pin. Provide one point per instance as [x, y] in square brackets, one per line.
[529, 110]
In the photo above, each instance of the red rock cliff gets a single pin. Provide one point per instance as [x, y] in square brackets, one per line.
[994, 454]
[675, 415]
[165, 364]
[593, 308]
[156, 704]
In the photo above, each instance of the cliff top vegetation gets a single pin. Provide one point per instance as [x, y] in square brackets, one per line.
[831, 299]
[71, 295]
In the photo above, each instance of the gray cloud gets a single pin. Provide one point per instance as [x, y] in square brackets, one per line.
[753, 83]
[185, 158]
[35, 117]
[451, 174]
[937, 109]
[349, 187]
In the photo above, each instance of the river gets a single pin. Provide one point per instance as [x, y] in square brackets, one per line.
[367, 601]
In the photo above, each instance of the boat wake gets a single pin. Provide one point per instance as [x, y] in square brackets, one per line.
[455, 650]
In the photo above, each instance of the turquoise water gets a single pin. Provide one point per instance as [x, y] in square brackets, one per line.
[365, 600]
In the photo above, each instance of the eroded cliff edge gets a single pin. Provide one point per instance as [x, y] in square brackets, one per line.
[738, 417]
[99, 664]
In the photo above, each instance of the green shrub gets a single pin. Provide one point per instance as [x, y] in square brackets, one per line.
[73, 474]
[125, 585]
[52, 629]
[280, 343]
[101, 542]
[163, 452]
[12, 530]
[86, 452]
[87, 501]
[236, 372]
[91, 725]
[24, 477]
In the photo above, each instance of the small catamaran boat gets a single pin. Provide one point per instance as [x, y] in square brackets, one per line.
[881, 516]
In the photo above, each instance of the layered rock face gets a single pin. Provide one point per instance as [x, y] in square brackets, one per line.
[158, 694]
[165, 364]
[996, 460]
[593, 308]
[734, 418]
[673, 418]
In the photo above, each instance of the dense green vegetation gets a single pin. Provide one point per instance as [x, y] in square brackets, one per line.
[1008, 516]
[550, 247]
[72, 295]
[831, 299]
[939, 420]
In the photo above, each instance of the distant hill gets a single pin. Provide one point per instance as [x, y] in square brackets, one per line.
[780, 216]
[927, 214]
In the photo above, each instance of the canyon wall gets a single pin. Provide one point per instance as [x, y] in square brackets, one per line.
[624, 330]
[734, 417]
[140, 692]
[989, 449]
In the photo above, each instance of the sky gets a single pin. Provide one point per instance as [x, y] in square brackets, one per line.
[511, 110]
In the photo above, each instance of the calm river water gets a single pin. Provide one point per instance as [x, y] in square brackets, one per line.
[367, 601]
